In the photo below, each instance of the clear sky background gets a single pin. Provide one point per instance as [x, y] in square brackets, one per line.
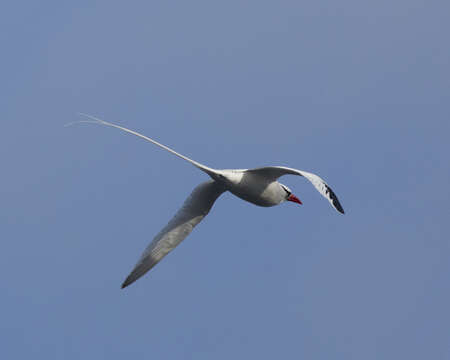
[355, 91]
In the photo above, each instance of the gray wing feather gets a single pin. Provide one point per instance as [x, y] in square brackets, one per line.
[274, 172]
[194, 209]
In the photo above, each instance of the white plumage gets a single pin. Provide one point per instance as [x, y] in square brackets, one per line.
[258, 186]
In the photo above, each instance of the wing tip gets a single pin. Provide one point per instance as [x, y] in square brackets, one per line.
[139, 270]
[334, 200]
[337, 205]
[128, 281]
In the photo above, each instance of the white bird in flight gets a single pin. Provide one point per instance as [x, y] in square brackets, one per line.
[258, 186]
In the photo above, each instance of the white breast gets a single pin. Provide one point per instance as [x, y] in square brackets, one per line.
[254, 188]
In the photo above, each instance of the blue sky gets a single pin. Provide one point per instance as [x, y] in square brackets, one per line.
[357, 92]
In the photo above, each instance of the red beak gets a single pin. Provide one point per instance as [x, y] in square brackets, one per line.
[294, 198]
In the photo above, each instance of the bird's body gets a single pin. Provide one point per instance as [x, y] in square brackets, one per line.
[258, 186]
[251, 187]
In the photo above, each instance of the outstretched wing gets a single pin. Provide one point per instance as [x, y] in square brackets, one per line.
[274, 172]
[194, 209]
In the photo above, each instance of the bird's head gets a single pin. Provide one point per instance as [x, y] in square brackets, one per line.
[289, 196]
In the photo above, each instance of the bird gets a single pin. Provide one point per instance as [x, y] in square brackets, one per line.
[258, 186]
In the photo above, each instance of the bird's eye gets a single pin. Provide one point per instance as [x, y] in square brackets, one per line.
[287, 191]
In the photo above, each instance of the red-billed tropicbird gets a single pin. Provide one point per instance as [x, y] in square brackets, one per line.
[258, 186]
